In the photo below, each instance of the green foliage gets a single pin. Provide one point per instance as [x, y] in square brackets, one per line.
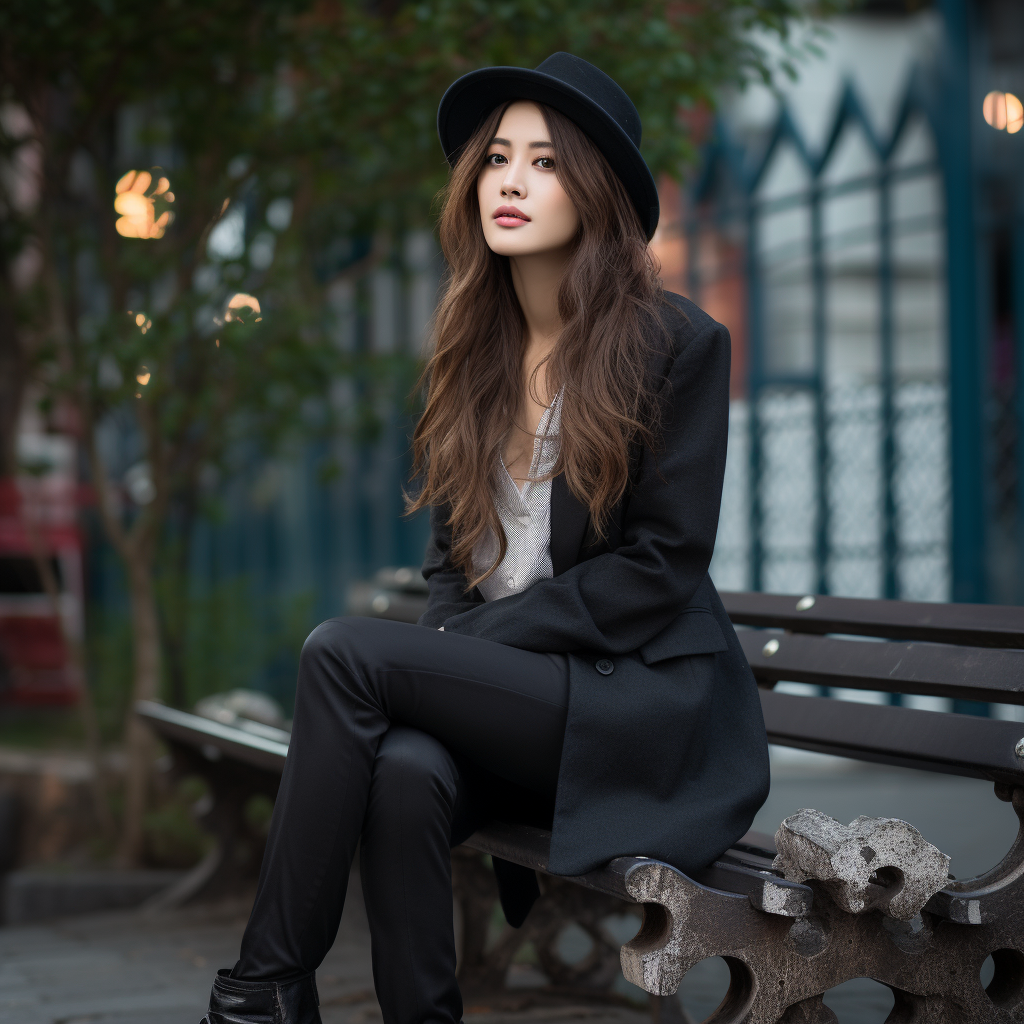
[231, 638]
[40, 728]
[173, 837]
[376, 81]
[108, 652]
[114, 87]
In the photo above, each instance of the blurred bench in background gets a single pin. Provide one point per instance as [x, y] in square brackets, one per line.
[794, 917]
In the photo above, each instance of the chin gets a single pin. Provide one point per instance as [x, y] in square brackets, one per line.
[508, 244]
[506, 247]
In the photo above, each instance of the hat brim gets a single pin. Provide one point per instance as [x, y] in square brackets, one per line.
[471, 98]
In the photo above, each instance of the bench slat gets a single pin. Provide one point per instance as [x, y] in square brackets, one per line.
[757, 844]
[229, 740]
[974, 625]
[976, 673]
[530, 847]
[931, 740]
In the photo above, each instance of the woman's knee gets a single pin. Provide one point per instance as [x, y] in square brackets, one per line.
[329, 639]
[335, 642]
[413, 765]
[329, 662]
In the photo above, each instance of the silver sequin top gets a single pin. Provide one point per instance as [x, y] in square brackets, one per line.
[526, 518]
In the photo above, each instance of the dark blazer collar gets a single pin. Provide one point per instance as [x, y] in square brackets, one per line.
[569, 518]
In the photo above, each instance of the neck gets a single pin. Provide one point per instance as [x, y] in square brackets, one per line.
[536, 279]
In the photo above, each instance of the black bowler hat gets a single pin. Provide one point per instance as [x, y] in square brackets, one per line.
[584, 93]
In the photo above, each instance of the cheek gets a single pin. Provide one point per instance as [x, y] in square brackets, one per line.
[561, 211]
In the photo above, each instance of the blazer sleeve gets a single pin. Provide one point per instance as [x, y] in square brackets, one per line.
[446, 585]
[616, 601]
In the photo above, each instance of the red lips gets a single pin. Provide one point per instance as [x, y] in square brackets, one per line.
[509, 216]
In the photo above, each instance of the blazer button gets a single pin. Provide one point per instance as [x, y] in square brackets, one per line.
[605, 666]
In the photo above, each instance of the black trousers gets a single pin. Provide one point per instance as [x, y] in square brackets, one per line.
[406, 737]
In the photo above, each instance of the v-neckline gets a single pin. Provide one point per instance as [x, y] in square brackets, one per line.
[543, 426]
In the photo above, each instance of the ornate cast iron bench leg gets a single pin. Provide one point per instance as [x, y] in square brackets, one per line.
[930, 956]
[483, 968]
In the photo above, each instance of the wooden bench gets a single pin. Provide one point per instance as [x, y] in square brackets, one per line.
[792, 917]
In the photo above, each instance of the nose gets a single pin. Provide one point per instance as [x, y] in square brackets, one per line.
[511, 187]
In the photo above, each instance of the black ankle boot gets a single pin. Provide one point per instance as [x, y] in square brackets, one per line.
[233, 1001]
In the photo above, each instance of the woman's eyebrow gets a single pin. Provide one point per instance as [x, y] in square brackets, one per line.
[533, 145]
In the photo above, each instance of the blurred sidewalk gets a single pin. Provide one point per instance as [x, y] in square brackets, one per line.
[127, 968]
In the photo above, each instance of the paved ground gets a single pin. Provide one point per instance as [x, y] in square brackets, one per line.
[129, 968]
[126, 968]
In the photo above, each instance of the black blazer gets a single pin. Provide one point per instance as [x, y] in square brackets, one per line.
[666, 755]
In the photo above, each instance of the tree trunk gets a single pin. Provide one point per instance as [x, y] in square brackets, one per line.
[176, 600]
[146, 658]
[13, 373]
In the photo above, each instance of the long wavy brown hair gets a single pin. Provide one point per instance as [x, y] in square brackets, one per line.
[608, 304]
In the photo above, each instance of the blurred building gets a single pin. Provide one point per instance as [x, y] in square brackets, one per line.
[860, 232]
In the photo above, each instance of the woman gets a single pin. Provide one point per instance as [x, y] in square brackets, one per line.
[580, 670]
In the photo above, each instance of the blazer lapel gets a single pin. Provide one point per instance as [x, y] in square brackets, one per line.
[569, 518]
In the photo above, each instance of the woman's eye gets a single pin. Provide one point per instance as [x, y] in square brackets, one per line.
[547, 162]
[495, 159]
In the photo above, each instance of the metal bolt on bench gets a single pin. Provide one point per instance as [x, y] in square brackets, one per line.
[822, 903]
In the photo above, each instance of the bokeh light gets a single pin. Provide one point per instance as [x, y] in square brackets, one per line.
[137, 209]
[240, 301]
[1003, 111]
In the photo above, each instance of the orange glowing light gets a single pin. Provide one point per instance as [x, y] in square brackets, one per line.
[143, 377]
[140, 319]
[137, 210]
[1014, 114]
[241, 301]
[134, 181]
[1003, 111]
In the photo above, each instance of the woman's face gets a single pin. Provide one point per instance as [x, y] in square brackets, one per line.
[523, 209]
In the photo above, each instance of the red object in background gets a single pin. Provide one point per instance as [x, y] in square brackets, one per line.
[35, 667]
[720, 273]
[32, 643]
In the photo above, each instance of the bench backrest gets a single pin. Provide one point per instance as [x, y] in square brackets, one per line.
[957, 651]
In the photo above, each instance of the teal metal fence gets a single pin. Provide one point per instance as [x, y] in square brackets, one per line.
[839, 475]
